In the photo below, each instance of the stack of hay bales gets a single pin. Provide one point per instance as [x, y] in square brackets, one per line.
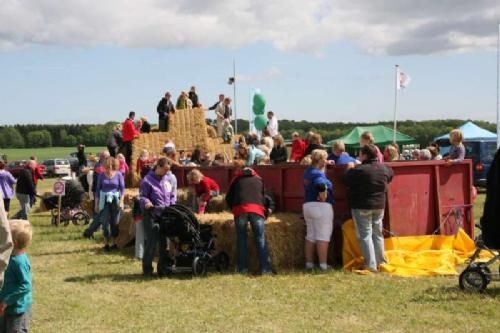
[285, 234]
[185, 196]
[187, 129]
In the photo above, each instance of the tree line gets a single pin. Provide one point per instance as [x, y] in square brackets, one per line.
[35, 136]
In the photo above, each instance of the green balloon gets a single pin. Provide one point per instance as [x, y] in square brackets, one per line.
[259, 102]
[260, 122]
[257, 111]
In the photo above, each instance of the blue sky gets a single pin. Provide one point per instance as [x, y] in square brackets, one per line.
[94, 78]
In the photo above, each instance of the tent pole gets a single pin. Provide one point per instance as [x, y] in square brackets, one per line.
[396, 103]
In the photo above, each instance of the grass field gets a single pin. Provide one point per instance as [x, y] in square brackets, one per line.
[78, 288]
[43, 153]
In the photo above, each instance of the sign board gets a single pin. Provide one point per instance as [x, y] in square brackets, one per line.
[59, 187]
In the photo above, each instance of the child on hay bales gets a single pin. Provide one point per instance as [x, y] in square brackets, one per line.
[17, 294]
[228, 131]
[122, 164]
[143, 164]
[205, 189]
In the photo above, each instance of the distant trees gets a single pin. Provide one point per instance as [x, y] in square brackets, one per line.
[19, 136]
[11, 138]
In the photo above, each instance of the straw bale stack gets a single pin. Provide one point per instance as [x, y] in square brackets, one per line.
[126, 228]
[187, 129]
[285, 234]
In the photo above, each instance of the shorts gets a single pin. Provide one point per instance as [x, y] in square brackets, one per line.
[319, 221]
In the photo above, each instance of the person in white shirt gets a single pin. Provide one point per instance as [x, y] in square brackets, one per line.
[272, 124]
[218, 107]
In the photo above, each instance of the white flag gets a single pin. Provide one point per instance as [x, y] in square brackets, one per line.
[403, 80]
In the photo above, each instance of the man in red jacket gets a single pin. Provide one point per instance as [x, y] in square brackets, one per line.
[246, 199]
[129, 133]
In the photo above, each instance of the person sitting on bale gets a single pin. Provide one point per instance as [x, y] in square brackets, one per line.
[205, 189]
[246, 199]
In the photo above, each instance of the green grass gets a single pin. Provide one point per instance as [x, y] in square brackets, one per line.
[78, 288]
[43, 153]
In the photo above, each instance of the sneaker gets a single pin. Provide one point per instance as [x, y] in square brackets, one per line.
[327, 269]
[106, 248]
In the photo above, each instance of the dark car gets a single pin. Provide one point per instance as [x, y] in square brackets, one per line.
[73, 162]
[481, 152]
[14, 167]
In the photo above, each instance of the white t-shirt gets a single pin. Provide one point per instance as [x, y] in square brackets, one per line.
[272, 127]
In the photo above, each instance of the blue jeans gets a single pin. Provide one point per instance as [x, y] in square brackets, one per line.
[257, 224]
[25, 203]
[368, 224]
[152, 237]
[94, 225]
[110, 217]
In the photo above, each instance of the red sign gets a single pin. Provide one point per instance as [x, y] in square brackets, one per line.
[59, 187]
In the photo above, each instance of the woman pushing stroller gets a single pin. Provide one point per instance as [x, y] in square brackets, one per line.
[157, 191]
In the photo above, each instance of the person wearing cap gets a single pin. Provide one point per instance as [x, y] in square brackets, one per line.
[165, 108]
[246, 199]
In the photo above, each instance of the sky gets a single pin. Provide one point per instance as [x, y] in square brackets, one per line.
[315, 60]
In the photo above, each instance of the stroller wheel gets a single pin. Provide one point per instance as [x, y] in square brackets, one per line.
[473, 279]
[80, 218]
[221, 261]
[199, 267]
[485, 269]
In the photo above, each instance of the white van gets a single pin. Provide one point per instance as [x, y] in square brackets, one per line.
[57, 167]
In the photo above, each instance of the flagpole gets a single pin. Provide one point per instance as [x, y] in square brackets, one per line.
[234, 98]
[498, 87]
[396, 86]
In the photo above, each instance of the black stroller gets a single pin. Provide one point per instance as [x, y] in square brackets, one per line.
[195, 243]
[71, 210]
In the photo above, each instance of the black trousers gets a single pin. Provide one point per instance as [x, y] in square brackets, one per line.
[127, 152]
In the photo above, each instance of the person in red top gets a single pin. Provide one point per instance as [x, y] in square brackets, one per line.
[129, 133]
[298, 148]
[37, 171]
[205, 189]
[246, 199]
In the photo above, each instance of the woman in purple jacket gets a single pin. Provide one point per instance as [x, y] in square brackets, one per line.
[157, 191]
[6, 183]
[109, 200]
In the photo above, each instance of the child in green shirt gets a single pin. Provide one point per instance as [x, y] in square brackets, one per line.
[16, 294]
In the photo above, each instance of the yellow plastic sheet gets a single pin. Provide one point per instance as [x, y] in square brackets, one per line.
[412, 255]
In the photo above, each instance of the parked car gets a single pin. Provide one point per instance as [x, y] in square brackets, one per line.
[14, 167]
[57, 167]
[481, 152]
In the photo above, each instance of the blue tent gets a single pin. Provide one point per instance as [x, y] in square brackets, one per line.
[471, 132]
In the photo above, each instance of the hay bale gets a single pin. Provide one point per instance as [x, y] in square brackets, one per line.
[285, 234]
[125, 228]
[211, 132]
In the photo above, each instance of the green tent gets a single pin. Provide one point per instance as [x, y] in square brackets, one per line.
[383, 136]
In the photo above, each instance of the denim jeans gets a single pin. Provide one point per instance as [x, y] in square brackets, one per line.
[257, 224]
[110, 217]
[368, 224]
[152, 237]
[25, 203]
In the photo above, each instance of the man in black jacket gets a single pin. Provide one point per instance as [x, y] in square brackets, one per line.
[366, 190]
[165, 108]
[246, 199]
[25, 190]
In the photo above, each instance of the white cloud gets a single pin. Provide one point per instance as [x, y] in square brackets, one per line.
[272, 73]
[378, 26]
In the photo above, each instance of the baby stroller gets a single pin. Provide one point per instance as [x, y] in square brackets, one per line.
[195, 243]
[71, 210]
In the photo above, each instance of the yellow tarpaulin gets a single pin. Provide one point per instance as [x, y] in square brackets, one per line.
[412, 255]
